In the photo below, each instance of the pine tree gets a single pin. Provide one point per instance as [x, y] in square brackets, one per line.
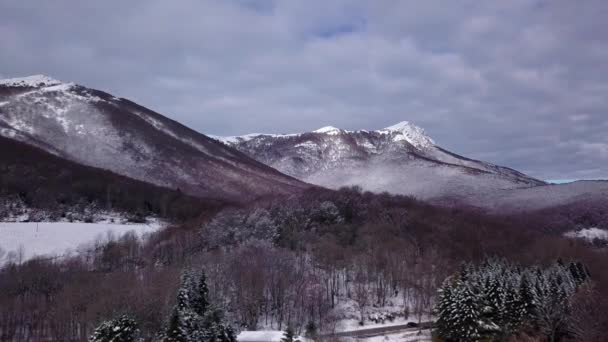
[194, 318]
[467, 314]
[446, 303]
[201, 300]
[512, 319]
[525, 305]
[175, 331]
[289, 335]
[123, 329]
[311, 330]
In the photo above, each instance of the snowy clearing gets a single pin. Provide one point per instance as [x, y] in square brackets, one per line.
[263, 336]
[59, 238]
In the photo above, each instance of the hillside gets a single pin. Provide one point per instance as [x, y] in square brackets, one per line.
[52, 188]
[97, 129]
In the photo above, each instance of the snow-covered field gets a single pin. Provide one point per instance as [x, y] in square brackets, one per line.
[60, 238]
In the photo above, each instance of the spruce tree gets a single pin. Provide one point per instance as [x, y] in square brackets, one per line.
[289, 335]
[194, 318]
[311, 330]
[467, 314]
[446, 304]
[175, 331]
[123, 329]
[201, 300]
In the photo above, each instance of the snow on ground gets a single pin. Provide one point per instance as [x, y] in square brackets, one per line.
[348, 315]
[589, 234]
[263, 336]
[410, 336]
[59, 238]
[29, 81]
[351, 325]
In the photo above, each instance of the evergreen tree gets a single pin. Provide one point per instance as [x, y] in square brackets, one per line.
[446, 304]
[496, 300]
[194, 318]
[467, 314]
[289, 335]
[123, 329]
[524, 305]
[175, 331]
[511, 316]
[311, 330]
[201, 300]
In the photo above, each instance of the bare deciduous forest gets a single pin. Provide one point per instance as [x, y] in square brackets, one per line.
[291, 261]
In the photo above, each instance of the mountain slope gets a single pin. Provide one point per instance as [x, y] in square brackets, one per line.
[97, 129]
[48, 187]
[399, 159]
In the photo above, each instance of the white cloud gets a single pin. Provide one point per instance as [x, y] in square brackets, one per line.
[503, 81]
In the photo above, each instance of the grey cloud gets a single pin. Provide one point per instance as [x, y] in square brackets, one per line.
[519, 83]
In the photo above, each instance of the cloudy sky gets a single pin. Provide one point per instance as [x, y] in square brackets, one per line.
[518, 83]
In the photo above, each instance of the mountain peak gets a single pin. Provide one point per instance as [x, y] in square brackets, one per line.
[328, 130]
[30, 81]
[409, 132]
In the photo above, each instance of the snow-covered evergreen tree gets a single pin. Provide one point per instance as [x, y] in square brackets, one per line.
[289, 335]
[175, 330]
[122, 329]
[467, 314]
[495, 300]
[194, 319]
[446, 304]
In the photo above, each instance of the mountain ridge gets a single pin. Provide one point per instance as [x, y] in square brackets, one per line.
[97, 129]
[335, 157]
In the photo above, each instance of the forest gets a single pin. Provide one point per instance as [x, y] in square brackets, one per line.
[295, 262]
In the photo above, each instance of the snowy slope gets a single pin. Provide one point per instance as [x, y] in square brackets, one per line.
[59, 238]
[97, 129]
[400, 159]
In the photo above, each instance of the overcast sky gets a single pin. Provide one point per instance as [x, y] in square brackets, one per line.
[518, 83]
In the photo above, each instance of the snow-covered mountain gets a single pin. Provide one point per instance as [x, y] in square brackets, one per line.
[97, 129]
[399, 159]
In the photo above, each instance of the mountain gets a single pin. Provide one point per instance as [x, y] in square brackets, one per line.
[97, 129]
[40, 186]
[399, 159]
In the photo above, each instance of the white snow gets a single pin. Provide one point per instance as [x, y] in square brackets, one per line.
[406, 131]
[307, 144]
[402, 131]
[589, 234]
[29, 81]
[235, 139]
[331, 130]
[409, 336]
[262, 336]
[59, 238]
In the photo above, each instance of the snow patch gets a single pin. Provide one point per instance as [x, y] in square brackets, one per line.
[406, 131]
[261, 336]
[235, 139]
[29, 81]
[331, 130]
[307, 144]
[589, 234]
